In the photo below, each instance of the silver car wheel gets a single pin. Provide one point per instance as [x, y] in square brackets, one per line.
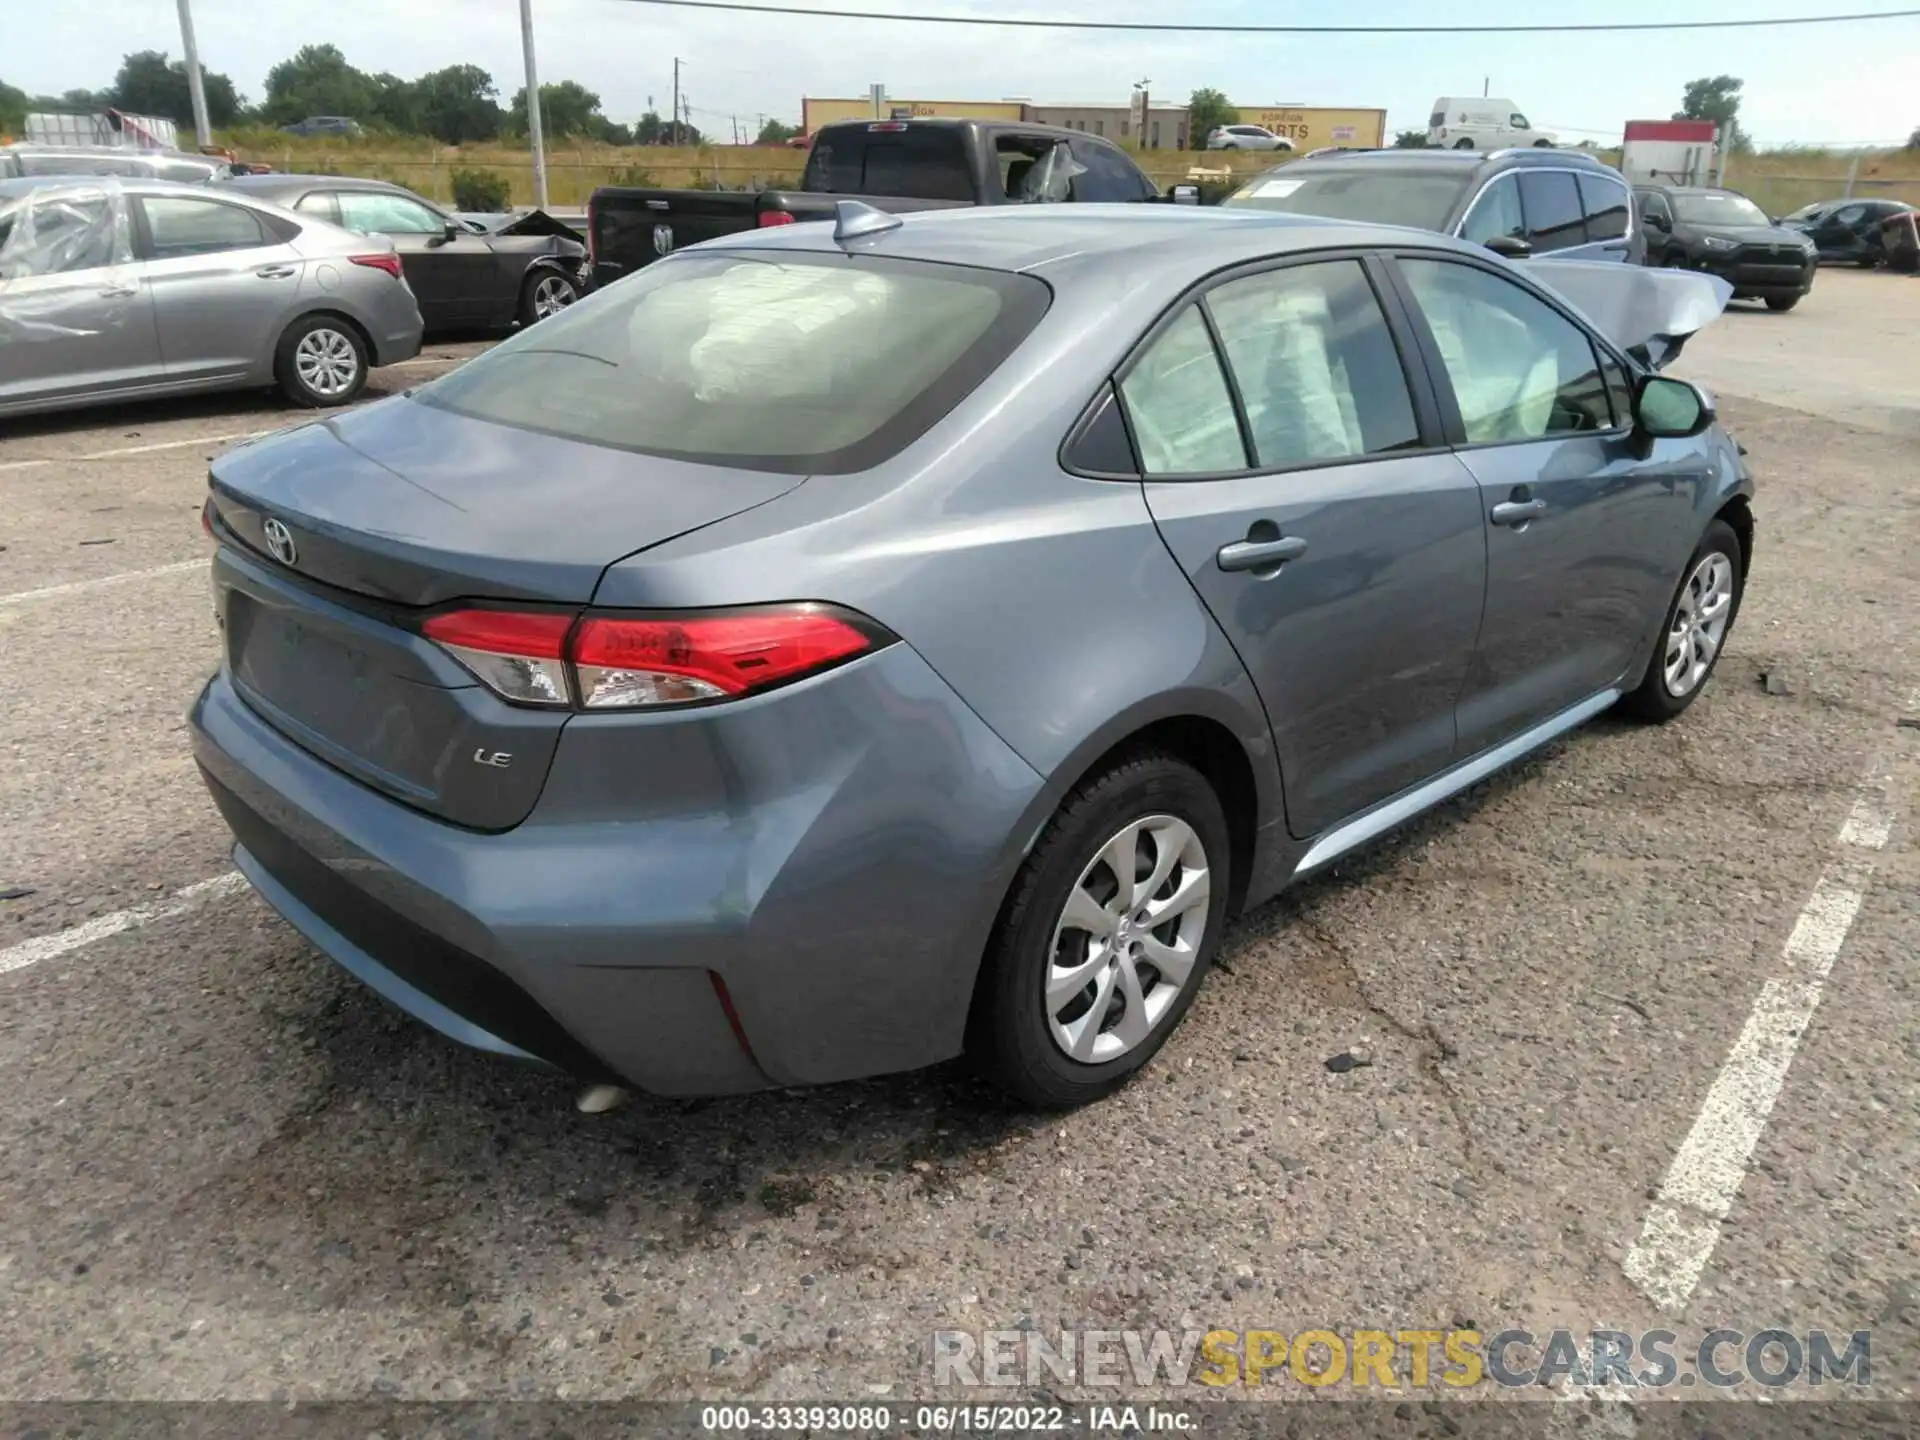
[1126, 941]
[326, 362]
[551, 296]
[1699, 624]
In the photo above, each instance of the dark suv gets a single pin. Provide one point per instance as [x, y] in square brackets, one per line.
[1699, 227]
[1515, 202]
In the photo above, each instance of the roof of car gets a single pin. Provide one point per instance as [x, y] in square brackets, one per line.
[278, 184]
[960, 122]
[144, 184]
[1168, 240]
[1666, 189]
[1428, 155]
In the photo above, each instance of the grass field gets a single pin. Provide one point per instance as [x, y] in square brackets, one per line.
[1778, 180]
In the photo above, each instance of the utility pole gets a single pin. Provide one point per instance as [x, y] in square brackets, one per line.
[202, 131]
[534, 136]
[676, 102]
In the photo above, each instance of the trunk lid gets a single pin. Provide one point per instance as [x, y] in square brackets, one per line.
[381, 516]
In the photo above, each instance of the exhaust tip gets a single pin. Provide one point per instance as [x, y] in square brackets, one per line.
[599, 1099]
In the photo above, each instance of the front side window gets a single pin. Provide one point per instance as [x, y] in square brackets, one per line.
[1177, 400]
[1604, 202]
[199, 227]
[1519, 369]
[1496, 214]
[804, 365]
[369, 213]
[1551, 201]
[1519, 121]
[1315, 364]
[59, 234]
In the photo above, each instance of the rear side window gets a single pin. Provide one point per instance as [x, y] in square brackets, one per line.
[802, 365]
[915, 164]
[1109, 176]
[1604, 202]
[1316, 366]
[199, 227]
[1552, 204]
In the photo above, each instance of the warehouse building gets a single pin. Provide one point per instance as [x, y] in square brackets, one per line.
[1164, 128]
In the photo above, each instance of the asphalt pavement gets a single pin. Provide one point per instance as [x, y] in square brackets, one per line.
[1637, 1024]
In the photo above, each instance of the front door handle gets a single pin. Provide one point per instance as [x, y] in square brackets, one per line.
[119, 292]
[1518, 512]
[274, 272]
[1260, 554]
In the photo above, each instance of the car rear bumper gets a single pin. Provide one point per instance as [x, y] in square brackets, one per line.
[795, 893]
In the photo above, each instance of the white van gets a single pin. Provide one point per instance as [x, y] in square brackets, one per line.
[1476, 122]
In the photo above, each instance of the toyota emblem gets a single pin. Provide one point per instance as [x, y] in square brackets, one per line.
[280, 541]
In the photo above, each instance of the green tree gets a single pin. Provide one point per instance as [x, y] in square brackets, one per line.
[776, 132]
[1716, 98]
[148, 85]
[1410, 140]
[458, 104]
[1207, 110]
[13, 109]
[317, 80]
[652, 130]
[567, 108]
[396, 105]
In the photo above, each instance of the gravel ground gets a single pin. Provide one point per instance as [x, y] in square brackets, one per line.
[233, 1174]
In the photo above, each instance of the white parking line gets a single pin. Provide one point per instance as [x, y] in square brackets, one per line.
[48, 947]
[133, 450]
[1682, 1224]
[124, 577]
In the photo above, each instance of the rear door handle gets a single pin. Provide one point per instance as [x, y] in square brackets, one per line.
[1260, 554]
[1518, 512]
[274, 272]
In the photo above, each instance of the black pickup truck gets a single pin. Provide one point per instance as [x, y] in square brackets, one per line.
[892, 165]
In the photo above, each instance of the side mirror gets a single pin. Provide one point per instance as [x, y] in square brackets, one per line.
[1660, 223]
[1670, 409]
[1184, 194]
[1510, 247]
[448, 235]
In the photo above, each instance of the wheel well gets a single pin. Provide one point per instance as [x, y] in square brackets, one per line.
[1212, 749]
[1739, 517]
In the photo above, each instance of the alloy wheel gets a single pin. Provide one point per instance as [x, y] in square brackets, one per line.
[326, 362]
[1699, 624]
[552, 295]
[1127, 939]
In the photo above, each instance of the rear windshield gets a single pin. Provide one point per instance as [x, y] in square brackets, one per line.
[1384, 197]
[915, 163]
[805, 364]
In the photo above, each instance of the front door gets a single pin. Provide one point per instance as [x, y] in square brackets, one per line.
[1585, 531]
[1309, 497]
[449, 269]
[223, 285]
[76, 315]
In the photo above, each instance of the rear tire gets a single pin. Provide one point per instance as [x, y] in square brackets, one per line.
[1782, 303]
[1463, 144]
[1673, 682]
[320, 361]
[545, 294]
[1065, 918]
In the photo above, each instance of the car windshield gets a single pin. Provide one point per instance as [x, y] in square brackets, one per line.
[1718, 210]
[1386, 197]
[794, 363]
[1809, 212]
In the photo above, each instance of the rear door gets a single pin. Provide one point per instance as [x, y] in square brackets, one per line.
[223, 282]
[76, 313]
[1303, 485]
[1585, 531]
[1550, 199]
[451, 273]
[1608, 208]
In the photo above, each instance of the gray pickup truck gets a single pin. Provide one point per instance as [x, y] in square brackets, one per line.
[893, 165]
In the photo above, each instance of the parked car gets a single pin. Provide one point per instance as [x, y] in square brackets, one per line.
[1246, 137]
[1517, 203]
[122, 289]
[892, 165]
[1475, 122]
[1847, 230]
[871, 675]
[1700, 227]
[338, 125]
[18, 161]
[1900, 240]
[465, 275]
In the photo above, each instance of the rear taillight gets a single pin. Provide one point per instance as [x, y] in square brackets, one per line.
[206, 518]
[613, 661]
[775, 217]
[388, 263]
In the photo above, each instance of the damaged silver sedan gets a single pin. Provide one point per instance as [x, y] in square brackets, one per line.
[116, 289]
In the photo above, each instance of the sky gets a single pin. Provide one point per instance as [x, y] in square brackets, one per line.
[1839, 84]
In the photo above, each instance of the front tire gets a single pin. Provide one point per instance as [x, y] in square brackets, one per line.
[1694, 634]
[1463, 144]
[545, 294]
[1106, 935]
[1780, 304]
[320, 361]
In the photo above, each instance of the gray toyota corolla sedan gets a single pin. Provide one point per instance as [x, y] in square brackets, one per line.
[849, 645]
[117, 289]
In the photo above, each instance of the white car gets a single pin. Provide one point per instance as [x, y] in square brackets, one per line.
[1479, 123]
[1246, 137]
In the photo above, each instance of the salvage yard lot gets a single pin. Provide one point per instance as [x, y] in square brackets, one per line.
[234, 1173]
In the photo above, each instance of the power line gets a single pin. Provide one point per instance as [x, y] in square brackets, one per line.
[1155, 25]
